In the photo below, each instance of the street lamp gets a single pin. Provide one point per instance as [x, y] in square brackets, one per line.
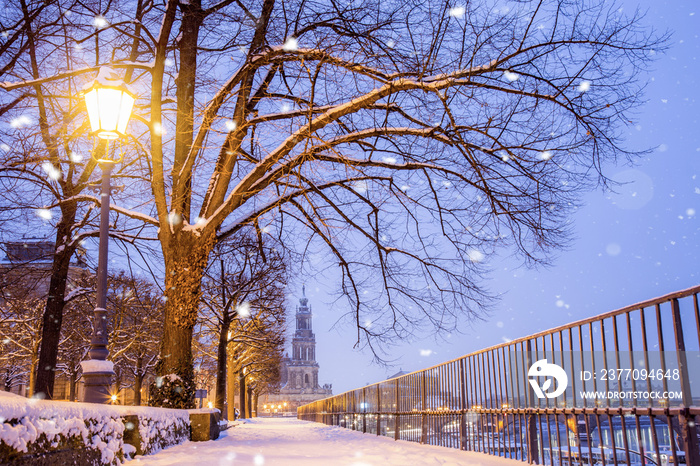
[109, 102]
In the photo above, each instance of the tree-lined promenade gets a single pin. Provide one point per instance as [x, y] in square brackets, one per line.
[402, 142]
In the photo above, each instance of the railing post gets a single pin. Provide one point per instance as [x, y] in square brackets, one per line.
[423, 416]
[532, 452]
[397, 416]
[462, 407]
[379, 411]
[685, 419]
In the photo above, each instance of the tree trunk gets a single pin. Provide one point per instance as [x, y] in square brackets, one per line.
[118, 385]
[221, 364]
[32, 378]
[71, 388]
[230, 389]
[241, 394]
[138, 380]
[255, 404]
[185, 260]
[53, 313]
[72, 380]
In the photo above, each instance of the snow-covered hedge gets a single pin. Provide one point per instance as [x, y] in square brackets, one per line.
[33, 427]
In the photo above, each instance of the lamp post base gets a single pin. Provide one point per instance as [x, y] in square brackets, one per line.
[97, 387]
[97, 381]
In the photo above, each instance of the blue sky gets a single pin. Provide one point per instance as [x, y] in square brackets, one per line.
[628, 246]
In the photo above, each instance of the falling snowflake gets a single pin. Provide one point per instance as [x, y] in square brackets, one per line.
[613, 249]
[5, 147]
[158, 129]
[499, 324]
[100, 22]
[360, 186]
[174, 218]
[546, 155]
[51, 171]
[230, 125]
[426, 352]
[458, 12]
[243, 309]
[584, 86]
[75, 157]
[560, 303]
[405, 187]
[20, 122]
[285, 107]
[690, 212]
[44, 214]
[391, 43]
[389, 160]
[291, 44]
[475, 255]
[169, 62]
[511, 76]
[259, 460]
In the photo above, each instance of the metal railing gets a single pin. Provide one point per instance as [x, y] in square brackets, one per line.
[488, 401]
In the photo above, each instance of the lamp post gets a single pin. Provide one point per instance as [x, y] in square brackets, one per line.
[109, 102]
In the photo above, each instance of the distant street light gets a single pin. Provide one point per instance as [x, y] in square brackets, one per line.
[109, 102]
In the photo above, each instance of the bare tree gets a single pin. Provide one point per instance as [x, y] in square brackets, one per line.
[75, 337]
[406, 140]
[135, 310]
[244, 278]
[20, 337]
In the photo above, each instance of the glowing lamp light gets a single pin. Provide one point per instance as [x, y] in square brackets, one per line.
[114, 398]
[109, 102]
[210, 405]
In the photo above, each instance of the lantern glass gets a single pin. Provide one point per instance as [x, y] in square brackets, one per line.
[109, 110]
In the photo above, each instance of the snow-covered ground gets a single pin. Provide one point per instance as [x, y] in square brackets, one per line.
[290, 442]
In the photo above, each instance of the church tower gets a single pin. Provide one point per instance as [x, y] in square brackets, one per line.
[299, 371]
[304, 341]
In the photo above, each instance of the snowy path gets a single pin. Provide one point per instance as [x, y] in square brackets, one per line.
[290, 442]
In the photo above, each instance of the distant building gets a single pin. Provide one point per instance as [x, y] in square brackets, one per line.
[299, 374]
[27, 266]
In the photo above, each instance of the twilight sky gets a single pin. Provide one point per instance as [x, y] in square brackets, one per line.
[628, 246]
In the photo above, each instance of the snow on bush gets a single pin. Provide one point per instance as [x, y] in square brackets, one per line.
[161, 428]
[31, 426]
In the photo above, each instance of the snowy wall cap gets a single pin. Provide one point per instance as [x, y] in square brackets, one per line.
[108, 77]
